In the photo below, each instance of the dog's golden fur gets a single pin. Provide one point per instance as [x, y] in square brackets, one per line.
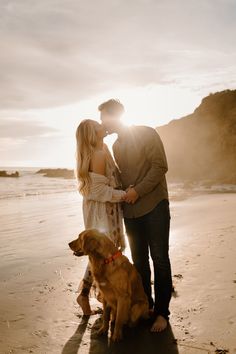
[124, 300]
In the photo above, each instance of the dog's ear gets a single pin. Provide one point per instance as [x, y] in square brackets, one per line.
[90, 242]
[90, 245]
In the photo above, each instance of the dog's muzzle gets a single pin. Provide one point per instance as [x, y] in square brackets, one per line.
[78, 253]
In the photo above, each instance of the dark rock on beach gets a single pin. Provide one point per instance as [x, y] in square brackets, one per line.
[6, 174]
[57, 173]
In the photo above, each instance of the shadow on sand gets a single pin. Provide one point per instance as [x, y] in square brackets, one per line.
[138, 340]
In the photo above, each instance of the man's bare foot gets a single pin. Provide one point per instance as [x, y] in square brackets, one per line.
[160, 324]
[83, 301]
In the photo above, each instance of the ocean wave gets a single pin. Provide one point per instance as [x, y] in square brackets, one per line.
[33, 185]
[25, 195]
[30, 184]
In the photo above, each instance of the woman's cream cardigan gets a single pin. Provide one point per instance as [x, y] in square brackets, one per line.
[102, 191]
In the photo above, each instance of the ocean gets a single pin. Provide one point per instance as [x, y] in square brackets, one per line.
[31, 184]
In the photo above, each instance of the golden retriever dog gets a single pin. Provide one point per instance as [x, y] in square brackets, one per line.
[124, 299]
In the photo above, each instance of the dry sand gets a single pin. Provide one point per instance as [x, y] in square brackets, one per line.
[39, 277]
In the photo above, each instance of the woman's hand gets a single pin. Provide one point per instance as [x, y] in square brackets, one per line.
[123, 197]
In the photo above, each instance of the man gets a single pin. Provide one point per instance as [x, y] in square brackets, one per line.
[140, 156]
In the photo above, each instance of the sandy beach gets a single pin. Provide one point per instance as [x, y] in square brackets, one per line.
[39, 278]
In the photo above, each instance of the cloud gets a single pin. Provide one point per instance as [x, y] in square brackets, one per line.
[56, 52]
[20, 130]
[42, 151]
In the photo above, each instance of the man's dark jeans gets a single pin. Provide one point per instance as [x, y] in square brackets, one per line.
[151, 232]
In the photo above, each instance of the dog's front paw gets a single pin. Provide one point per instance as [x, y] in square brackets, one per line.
[103, 331]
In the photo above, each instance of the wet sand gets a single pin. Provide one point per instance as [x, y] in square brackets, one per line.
[39, 278]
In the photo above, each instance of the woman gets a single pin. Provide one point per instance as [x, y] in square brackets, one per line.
[100, 187]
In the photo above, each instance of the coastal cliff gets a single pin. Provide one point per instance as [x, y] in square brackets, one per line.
[202, 145]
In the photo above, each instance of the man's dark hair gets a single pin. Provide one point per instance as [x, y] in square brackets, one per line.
[111, 106]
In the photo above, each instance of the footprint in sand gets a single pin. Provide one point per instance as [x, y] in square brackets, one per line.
[40, 318]
[221, 351]
[21, 316]
[179, 276]
[40, 333]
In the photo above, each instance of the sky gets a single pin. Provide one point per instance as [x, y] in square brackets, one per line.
[60, 59]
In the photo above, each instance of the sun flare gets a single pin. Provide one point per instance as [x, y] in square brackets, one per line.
[154, 105]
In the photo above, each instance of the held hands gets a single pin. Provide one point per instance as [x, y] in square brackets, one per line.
[131, 195]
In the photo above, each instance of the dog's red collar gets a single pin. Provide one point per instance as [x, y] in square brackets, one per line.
[113, 257]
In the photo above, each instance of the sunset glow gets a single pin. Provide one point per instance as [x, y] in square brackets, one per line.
[151, 58]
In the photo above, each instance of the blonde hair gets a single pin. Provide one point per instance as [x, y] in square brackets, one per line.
[86, 141]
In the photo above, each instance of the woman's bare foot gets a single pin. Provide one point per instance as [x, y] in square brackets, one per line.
[160, 324]
[151, 312]
[83, 301]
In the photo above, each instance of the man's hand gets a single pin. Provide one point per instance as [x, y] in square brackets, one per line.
[131, 195]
